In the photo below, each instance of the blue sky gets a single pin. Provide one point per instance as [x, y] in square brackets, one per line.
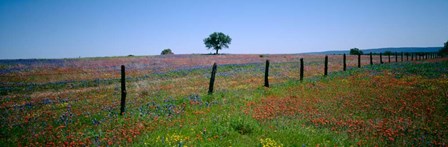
[88, 28]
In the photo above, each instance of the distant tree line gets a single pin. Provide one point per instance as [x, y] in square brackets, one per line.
[219, 40]
[443, 51]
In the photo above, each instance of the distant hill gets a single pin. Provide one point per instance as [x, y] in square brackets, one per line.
[382, 50]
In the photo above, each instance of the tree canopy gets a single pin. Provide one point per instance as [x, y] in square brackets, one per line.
[167, 52]
[217, 41]
[444, 49]
[355, 51]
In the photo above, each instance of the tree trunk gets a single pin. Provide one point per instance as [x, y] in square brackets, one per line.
[216, 52]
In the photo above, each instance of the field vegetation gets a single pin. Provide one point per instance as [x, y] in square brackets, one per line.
[76, 102]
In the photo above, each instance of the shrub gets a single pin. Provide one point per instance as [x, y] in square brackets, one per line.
[167, 52]
[355, 51]
[444, 51]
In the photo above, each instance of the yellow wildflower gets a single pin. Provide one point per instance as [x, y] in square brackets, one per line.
[268, 142]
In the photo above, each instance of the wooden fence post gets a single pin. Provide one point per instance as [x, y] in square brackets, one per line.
[344, 63]
[407, 56]
[381, 58]
[212, 79]
[123, 90]
[359, 60]
[326, 66]
[301, 69]
[412, 56]
[266, 74]
[371, 60]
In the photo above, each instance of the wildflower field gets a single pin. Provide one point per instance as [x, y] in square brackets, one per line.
[76, 102]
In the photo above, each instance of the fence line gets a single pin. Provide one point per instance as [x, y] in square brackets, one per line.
[326, 66]
[212, 79]
[344, 62]
[123, 90]
[301, 68]
[266, 75]
[359, 60]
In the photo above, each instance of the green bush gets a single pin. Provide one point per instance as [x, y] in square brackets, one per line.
[167, 52]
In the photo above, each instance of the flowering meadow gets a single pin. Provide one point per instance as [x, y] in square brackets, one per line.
[76, 102]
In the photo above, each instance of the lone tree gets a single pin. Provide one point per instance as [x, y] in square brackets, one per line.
[217, 41]
[444, 50]
[355, 51]
[167, 52]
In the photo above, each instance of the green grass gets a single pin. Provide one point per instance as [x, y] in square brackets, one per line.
[342, 109]
[227, 125]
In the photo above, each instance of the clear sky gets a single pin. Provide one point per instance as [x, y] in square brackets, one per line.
[88, 28]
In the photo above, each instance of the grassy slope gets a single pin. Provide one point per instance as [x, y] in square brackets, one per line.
[334, 110]
[387, 104]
